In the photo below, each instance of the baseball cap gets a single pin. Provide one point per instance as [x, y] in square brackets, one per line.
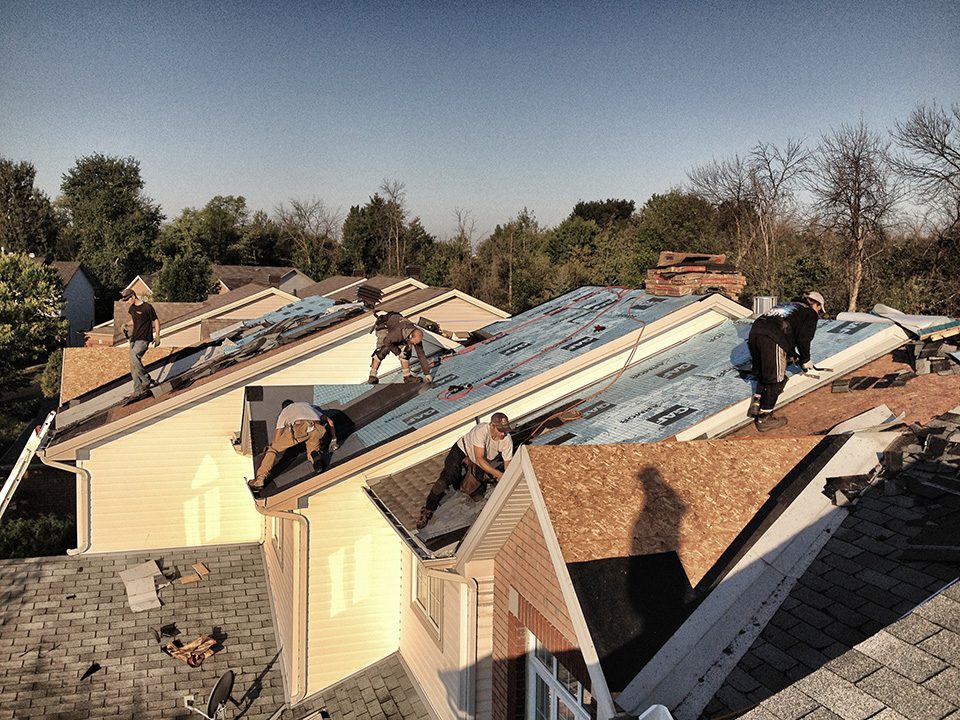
[500, 422]
[127, 294]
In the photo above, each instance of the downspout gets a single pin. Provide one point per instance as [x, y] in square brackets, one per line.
[298, 667]
[83, 499]
[470, 694]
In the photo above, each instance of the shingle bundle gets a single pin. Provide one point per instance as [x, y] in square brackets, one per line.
[680, 274]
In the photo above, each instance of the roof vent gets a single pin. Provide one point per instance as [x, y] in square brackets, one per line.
[763, 303]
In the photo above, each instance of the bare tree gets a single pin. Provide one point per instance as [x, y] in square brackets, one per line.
[856, 190]
[931, 137]
[466, 226]
[757, 193]
[312, 231]
[395, 194]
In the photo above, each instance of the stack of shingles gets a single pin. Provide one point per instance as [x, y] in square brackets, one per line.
[936, 352]
[679, 274]
[925, 462]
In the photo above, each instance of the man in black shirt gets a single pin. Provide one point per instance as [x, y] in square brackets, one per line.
[784, 332]
[397, 335]
[145, 331]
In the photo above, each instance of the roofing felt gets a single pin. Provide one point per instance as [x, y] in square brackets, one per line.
[673, 390]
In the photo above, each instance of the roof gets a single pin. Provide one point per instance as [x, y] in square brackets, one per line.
[858, 632]
[234, 276]
[329, 285]
[87, 368]
[62, 614]
[67, 269]
[692, 498]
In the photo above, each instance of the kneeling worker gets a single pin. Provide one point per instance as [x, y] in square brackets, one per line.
[479, 446]
[397, 335]
[784, 331]
[298, 422]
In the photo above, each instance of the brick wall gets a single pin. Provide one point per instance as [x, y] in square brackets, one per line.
[524, 564]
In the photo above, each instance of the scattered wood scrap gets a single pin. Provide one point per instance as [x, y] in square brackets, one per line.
[194, 652]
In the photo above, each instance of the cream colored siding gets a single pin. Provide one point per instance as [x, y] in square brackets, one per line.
[349, 362]
[259, 307]
[281, 570]
[354, 585]
[434, 661]
[457, 315]
[177, 482]
[181, 338]
[484, 640]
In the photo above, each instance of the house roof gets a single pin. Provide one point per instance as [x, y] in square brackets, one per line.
[87, 368]
[329, 285]
[859, 634]
[692, 498]
[69, 612]
[235, 276]
[67, 269]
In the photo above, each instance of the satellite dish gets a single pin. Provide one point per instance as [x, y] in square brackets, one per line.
[217, 705]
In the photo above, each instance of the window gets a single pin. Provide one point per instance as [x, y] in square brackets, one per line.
[553, 693]
[276, 532]
[428, 596]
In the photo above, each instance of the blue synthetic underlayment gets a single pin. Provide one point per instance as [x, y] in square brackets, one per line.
[327, 395]
[669, 392]
[524, 336]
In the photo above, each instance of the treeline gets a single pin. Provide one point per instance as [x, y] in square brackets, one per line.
[863, 215]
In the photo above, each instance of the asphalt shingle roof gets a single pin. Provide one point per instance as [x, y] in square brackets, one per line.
[58, 615]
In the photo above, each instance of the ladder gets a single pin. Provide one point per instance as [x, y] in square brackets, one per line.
[23, 462]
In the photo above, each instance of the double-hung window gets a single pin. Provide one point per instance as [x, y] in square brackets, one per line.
[428, 596]
[553, 693]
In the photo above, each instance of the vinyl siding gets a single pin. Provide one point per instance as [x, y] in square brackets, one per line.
[282, 568]
[484, 640]
[434, 661]
[457, 315]
[177, 482]
[191, 333]
[354, 585]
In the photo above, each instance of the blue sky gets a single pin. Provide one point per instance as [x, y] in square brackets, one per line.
[491, 107]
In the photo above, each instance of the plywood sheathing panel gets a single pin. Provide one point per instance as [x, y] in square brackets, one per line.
[689, 497]
[922, 399]
[86, 368]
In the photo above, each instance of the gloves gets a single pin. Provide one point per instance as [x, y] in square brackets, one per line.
[428, 378]
[156, 342]
[333, 446]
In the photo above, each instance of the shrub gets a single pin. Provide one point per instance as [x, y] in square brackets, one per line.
[37, 537]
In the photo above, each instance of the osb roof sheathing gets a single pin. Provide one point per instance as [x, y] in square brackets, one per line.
[692, 497]
[86, 368]
[922, 399]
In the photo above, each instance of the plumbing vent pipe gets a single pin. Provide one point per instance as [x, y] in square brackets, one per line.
[763, 303]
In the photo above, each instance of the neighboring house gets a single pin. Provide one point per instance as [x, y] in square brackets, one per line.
[78, 298]
[232, 277]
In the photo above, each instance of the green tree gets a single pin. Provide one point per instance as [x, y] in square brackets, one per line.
[604, 213]
[184, 277]
[28, 223]
[512, 268]
[224, 219]
[308, 230]
[259, 243]
[110, 220]
[366, 237]
[31, 299]
[52, 372]
[573, 236]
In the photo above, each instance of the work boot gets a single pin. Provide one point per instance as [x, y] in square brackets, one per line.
[425, 515]
[318, 463]
[754, 409]
[373, 380]
[413, 379]
[257, 483]
[769, 421]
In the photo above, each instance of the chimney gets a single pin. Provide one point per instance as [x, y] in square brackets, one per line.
[412, 271]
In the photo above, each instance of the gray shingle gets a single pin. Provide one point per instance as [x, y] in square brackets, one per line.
[906, 697]
[901, 657]
[943, 611]
[853, 666]
[839, 696]
[946, 685]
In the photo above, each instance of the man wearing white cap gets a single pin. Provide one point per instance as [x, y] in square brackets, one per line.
[476, 450]
[784, 331]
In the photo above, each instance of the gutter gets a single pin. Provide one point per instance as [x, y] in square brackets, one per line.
[299, 611]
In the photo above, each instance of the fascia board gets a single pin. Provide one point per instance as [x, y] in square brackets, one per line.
[684, 321]
[695, 660]
[851, 358]
[192, 395]
[598, 682]
[513, 479]
[213, 312]
[412, 282]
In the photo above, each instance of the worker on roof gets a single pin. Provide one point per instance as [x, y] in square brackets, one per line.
[142, 331]
[298, 423]
[783, 332]
[397, 335]
[472, 463]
